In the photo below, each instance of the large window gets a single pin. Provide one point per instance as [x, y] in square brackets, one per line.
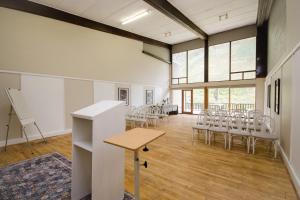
[218, 98]
[242, 98]
[196, 66]
[243, 59]
[188, 67]
[219, 62]
[179, 68]
[235, 60]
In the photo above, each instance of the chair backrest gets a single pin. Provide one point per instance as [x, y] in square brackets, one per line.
[252, 114]
[237, 121]
[219, 120]
[264, 124]
[202, 118]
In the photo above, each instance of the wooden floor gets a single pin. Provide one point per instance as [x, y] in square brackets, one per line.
[180, 169]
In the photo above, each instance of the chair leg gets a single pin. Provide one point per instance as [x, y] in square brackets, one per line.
[253, 145]
[248, 144]
[229, 141]
[209, 137]
[205, 136]
[225, 139]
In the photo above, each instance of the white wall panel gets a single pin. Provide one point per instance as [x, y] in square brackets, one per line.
[104, 91]
[45, 99]
[295, 133]
[137, 95]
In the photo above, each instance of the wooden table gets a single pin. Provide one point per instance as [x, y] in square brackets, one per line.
[133, 140]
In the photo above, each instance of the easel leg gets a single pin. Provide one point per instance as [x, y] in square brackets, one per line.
[24, 132]
[38, 128]
[136, 175]
[7, 131]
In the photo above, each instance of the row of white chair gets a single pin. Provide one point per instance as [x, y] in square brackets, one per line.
[145, 115]
[253, 126]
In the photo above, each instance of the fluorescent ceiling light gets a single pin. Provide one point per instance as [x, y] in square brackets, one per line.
[135, 16]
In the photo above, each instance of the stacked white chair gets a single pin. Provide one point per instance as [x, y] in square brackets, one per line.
[264, 129]
[237, 129]
[218, 125]
[250, 126]
[202, 124]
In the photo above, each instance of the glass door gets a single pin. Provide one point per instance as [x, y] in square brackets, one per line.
[187, 101]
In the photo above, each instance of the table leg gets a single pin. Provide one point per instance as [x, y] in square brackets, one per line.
[136, 175]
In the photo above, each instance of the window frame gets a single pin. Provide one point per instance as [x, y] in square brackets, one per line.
[187, 69]
[207, 68]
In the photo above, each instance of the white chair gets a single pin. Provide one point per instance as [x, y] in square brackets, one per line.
[237, 129]
[264, 129]
[253, 115]
[202, 124]
[218, 125]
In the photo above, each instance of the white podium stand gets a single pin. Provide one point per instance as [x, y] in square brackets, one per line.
[97, 167]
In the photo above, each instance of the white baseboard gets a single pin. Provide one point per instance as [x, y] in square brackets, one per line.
[35, 137]
[295, 178]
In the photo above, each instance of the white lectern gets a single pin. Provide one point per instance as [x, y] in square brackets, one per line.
[97, 167]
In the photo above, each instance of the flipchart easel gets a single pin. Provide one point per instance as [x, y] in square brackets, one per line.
[18, 104]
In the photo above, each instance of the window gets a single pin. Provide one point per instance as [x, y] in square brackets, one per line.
[232, 98]
[235, 60]
[196, 66]
[218, 98]
[179, 68]
[242, 98]
[219, 62]
[243, 59]
[198, 100]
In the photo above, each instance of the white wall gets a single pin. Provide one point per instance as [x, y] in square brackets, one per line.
[44, 97]
[104, 91]
[137, 95]
[284, 61]
[295, 128]
[35, 44]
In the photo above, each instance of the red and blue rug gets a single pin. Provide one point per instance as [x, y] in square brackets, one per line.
[45, 177]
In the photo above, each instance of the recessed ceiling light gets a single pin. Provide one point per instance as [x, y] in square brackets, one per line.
[135, 16]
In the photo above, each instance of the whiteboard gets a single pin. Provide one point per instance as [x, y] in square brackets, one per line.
[18, 103]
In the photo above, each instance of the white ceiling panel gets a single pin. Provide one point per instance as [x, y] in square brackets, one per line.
[203, 13]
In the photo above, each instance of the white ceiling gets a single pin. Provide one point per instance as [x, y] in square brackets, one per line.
[203, 13]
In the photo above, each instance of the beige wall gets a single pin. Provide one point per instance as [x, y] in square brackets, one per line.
[259, 93]
[78, 94]
[161, 52]
[226, 36]
[8, 81]
[189, 45]
[284, 38]
[277, 33]
[35, 44]
[232, 35]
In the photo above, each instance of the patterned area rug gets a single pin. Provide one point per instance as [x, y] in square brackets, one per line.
[43, 177]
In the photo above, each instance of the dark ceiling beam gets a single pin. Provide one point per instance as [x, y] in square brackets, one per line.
[263, 12]
[172, 12]
[45, 11]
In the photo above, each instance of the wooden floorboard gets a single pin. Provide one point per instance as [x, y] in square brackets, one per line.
[180, 169]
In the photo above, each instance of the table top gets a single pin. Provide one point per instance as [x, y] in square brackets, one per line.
[135, 138]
